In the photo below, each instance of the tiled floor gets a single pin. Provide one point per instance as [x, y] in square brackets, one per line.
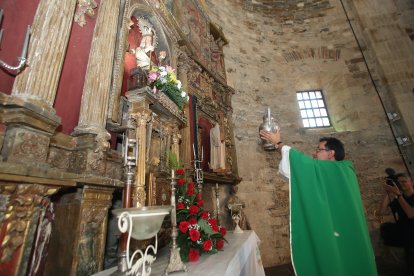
[385, 268]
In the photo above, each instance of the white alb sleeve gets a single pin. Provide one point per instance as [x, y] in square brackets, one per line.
[284, 165]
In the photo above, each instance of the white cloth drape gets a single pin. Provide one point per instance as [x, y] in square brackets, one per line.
[284, 165]
[240, 257]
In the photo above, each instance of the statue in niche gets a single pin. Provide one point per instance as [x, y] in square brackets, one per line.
[143, 40]
[235, 206]
[216, 55]
[217, 149]
[146, 48]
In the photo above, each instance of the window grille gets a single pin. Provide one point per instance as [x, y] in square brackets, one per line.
[313, 109]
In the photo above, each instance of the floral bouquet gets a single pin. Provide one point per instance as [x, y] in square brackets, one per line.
[165, 80]
[198, 230]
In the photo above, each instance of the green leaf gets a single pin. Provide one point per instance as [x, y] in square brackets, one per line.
[204, 226]
[172, 160]
[216, 235]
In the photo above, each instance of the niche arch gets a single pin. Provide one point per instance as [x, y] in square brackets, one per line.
[128, 38]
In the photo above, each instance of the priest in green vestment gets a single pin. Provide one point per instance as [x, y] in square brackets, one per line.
[328, 230]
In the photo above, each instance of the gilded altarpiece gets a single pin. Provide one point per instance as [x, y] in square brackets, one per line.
[178, 34]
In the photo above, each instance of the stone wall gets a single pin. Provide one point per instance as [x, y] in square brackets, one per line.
[274, 52]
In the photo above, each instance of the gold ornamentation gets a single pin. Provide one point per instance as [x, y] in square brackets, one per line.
[78, 161]
[91, 243]
[85, 7]
[96, 162]
[31, 146]
[59, 158]
[101, 140]
[21, 201]
[139, 196]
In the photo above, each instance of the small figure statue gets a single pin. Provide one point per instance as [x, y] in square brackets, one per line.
[143, 52]
[217, 54]
[217, 149]
[235, 205]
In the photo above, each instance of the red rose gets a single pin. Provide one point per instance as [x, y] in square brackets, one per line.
[214, 227]
[191, 185]
[194, 234]
[200, 202]
[220, 244]
[223, 231]
[193, 209]
[180, 171]
[212, 221]
[205, 215]
[207, 245]
[193, 255]
[192, 221]
[190, 192]
[184, 226]
[198, 196]
[181, 181]
[180, 205]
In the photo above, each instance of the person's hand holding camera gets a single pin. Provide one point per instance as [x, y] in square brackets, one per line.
[392, 190]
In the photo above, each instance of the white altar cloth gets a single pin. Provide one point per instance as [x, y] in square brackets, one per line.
[241, 256]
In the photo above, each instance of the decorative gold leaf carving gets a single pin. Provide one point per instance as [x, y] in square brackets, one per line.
[22, 199]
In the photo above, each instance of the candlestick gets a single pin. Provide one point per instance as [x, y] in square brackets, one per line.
[217, 202]
[195, 157]
[175, 263]
[23, 58]
[174, 211]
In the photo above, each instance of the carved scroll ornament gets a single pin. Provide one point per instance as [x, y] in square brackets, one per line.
[85, 7]
[21, 201]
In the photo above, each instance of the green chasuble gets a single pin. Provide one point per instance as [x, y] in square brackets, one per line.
[328, 231]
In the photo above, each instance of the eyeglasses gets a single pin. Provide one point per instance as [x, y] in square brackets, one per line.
[319, 149]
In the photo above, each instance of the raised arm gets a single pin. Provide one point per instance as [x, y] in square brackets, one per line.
[272, 137]
[395, 192]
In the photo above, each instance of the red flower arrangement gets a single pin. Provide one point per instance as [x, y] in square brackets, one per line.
[198, 231]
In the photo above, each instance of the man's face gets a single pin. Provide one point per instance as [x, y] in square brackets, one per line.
[322, 153]
[406, 183]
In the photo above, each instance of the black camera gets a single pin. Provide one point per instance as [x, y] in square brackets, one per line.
[392, 178]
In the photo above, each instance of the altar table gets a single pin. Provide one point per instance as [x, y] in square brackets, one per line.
[241, 256]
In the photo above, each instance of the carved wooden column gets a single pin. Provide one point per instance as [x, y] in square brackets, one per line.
[34, 90]
[19, 217]
[186, 146]
[92, 117]
[50, 34]
[166, 146]
[138, 190]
